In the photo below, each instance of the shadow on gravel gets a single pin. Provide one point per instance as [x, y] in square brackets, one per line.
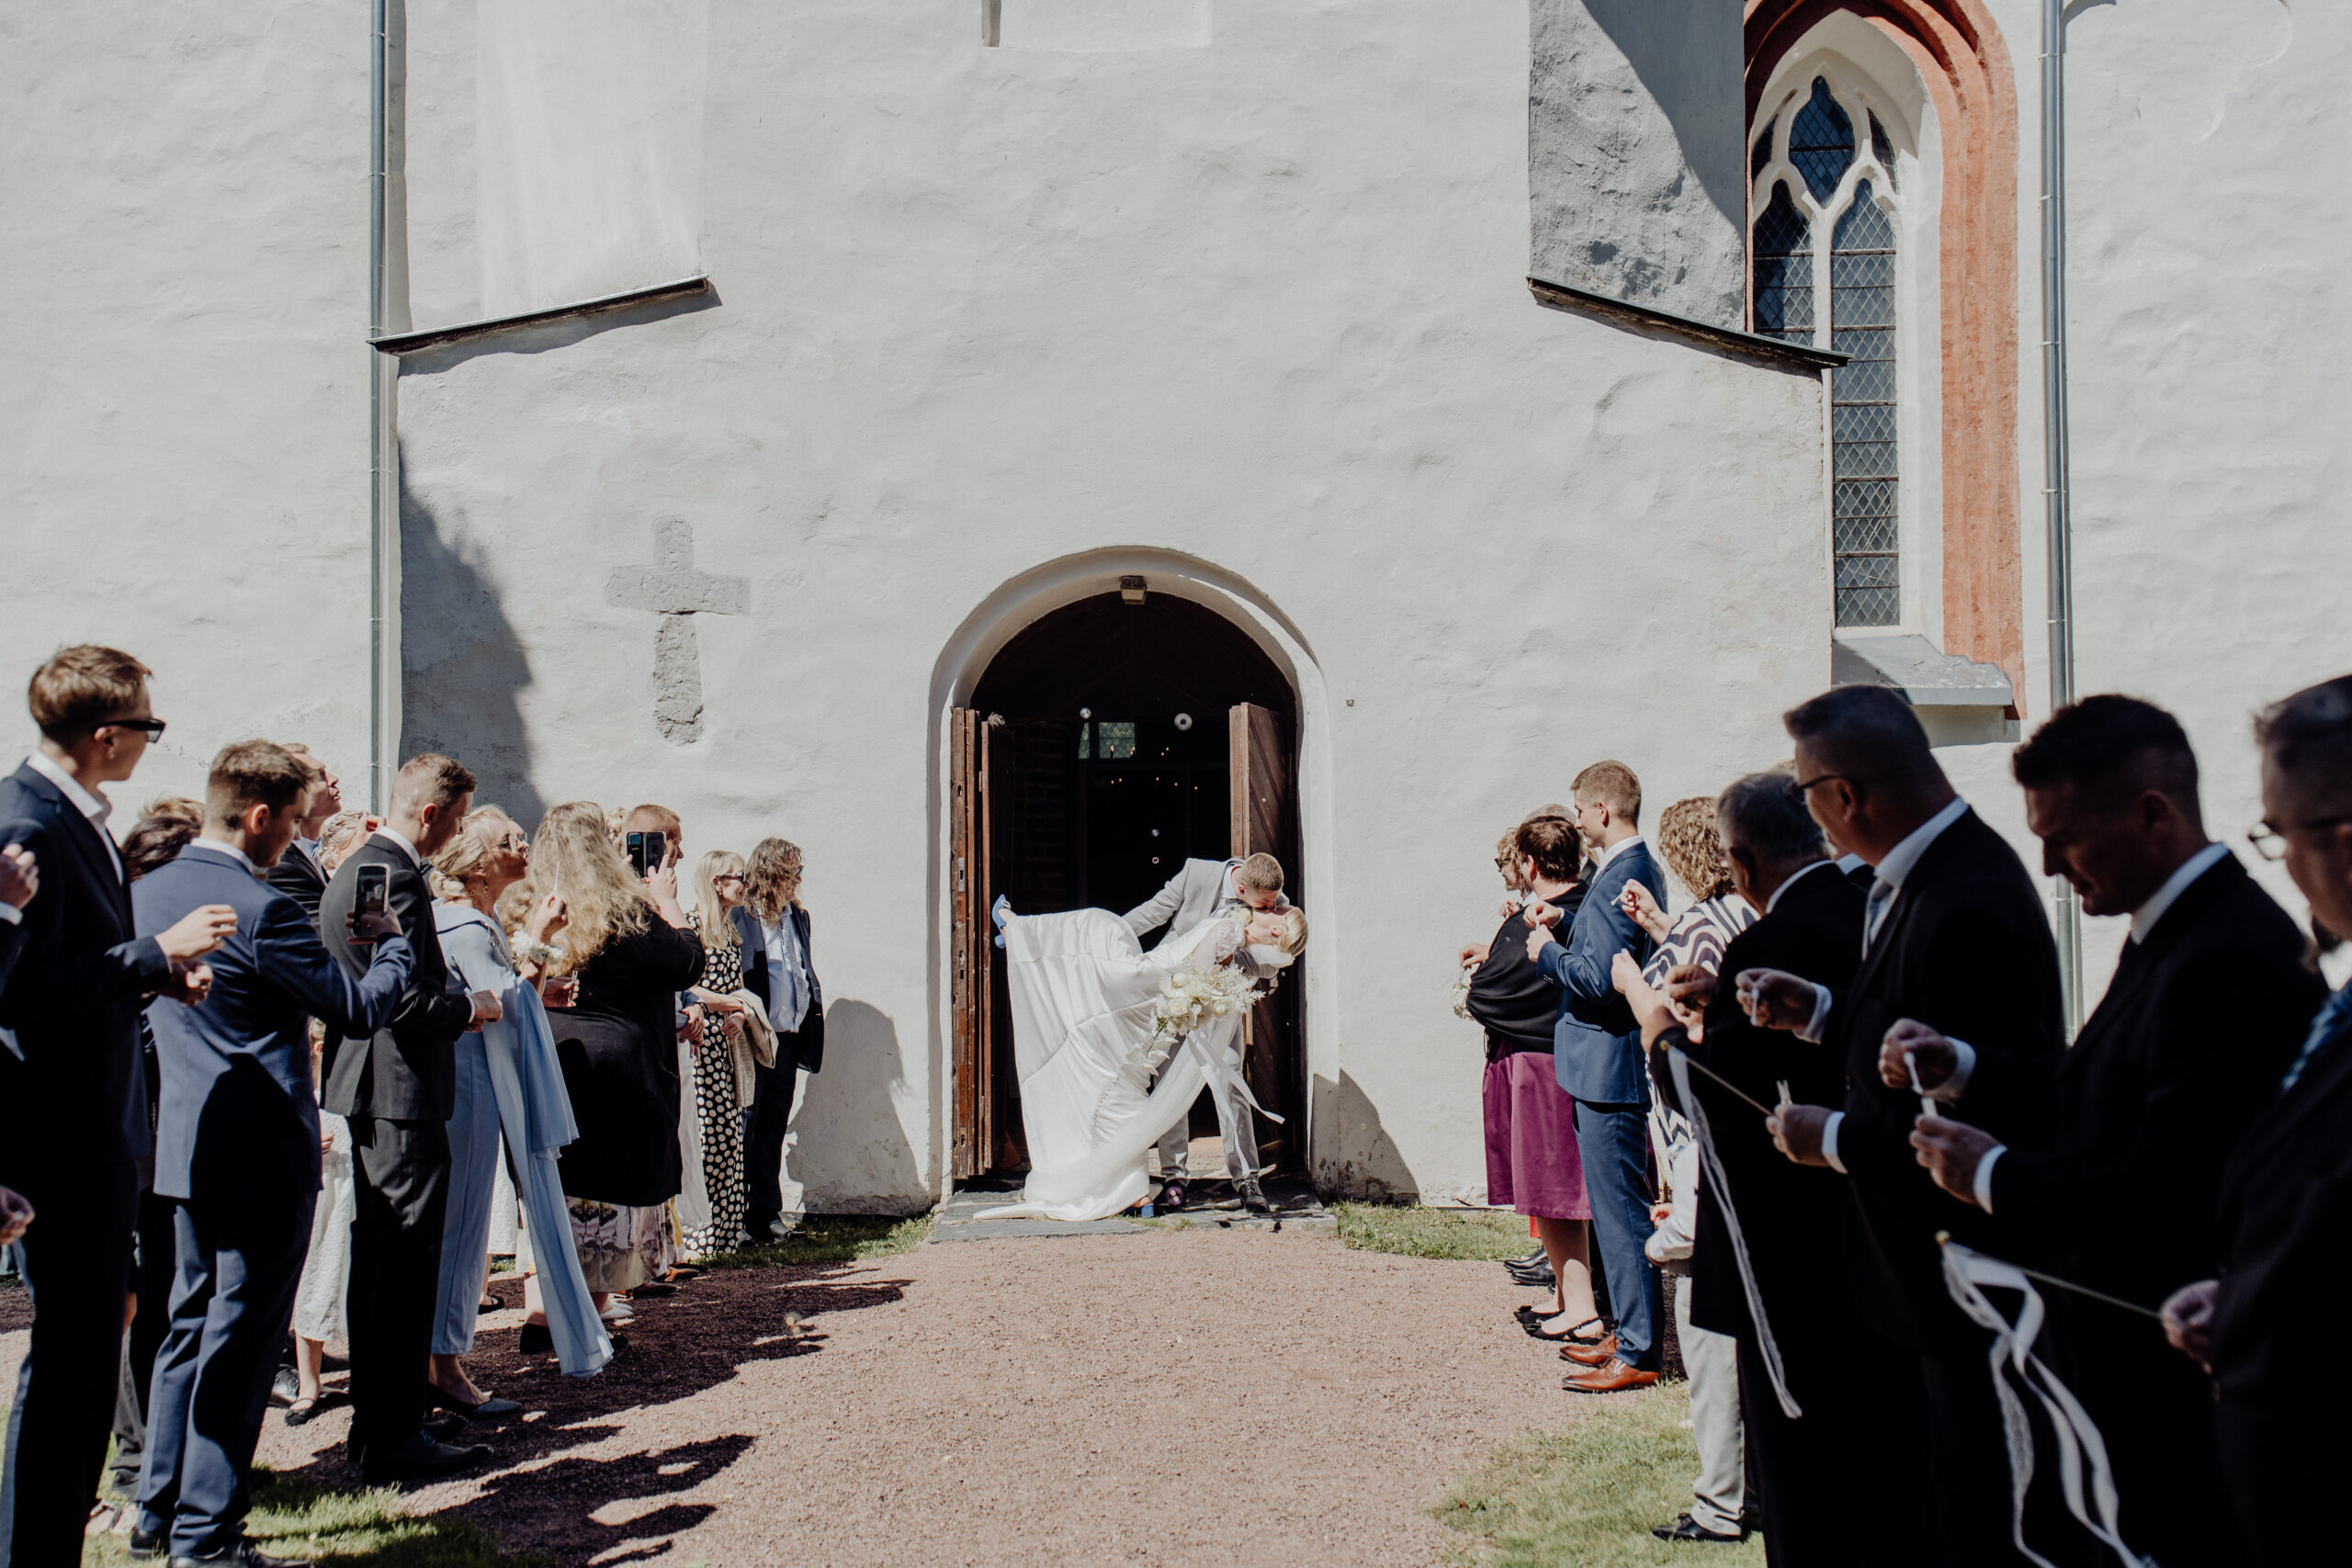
[580, 1505]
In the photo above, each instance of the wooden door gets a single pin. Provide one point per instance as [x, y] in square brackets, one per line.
[973, 956]
[1265, 817]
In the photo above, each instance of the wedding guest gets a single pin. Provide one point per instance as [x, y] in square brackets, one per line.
[724, 1073]
[2203, 1013]
[777, 969]
[1853, 1453]
[20, 880]
[2286, 1205]
[396, 1087]
[155, 840]
[300, 874]
[74, 1123]
[344, 832]
[237, 1146]
[627, 945]
[1955, 936]
[1597, 1049]
[173, 808]
[1532, 1164]
[509, 1090]
[326, 1267]
[690, 1207]
[1691, 943]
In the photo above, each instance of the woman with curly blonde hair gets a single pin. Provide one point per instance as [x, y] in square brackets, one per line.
[628, 947]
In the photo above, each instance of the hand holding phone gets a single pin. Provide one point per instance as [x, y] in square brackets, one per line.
[371, 896]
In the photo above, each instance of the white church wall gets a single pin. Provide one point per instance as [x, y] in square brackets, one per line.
[1258, 304]
[2210, 319]
[183, 431]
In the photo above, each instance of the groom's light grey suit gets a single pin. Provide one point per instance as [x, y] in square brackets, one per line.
[1196, 892]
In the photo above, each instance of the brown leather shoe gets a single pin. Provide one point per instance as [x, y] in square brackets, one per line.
[1590, 1355]
[1609, 1378]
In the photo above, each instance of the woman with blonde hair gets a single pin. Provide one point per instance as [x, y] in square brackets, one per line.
[508, 1083]
[630, 949]
[723, 1068]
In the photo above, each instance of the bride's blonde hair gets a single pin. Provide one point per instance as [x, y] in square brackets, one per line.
[573, 854]
[1294, 940]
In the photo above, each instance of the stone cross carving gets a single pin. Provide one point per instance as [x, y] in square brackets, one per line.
[676, 593]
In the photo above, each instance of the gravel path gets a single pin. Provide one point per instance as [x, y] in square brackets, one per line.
[1198, 1397]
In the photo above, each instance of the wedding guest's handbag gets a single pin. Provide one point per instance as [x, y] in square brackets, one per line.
[759, 1039]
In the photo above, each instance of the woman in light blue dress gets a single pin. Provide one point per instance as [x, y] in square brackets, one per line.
[510, 1087]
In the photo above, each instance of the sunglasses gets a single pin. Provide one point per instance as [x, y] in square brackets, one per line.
[151, 727]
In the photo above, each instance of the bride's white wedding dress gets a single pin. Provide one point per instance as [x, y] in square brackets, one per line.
[1083, 993]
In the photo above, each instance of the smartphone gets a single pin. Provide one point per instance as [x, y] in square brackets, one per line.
[648, 850]
[374, 890]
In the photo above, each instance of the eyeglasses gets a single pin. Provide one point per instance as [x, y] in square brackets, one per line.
[151, 727]
[727, 876]
[2270, 843]
[1804, 787]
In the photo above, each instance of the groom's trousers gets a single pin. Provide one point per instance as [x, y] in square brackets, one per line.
[1233, 1124]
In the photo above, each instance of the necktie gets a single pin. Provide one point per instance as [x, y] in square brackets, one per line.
[2326, 1027]
[1881, 895]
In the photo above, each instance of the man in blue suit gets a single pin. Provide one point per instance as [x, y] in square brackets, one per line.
[1597, 1050]
[237, 1146]
[72, 1090]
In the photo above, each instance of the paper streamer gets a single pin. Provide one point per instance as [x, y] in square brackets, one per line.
[1680, 1066]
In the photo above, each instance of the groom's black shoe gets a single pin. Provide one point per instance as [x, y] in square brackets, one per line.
[1253, 1197]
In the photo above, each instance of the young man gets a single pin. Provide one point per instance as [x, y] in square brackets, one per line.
[1197, 891]
[397, 1086]
[300, 874]
[72, 1092]
[1597, 1051]
[237, 1146]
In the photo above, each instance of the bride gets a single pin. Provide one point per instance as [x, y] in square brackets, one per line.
[1084, 1000]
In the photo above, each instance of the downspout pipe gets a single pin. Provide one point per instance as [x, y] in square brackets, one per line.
[2056, 499]
[377, 782]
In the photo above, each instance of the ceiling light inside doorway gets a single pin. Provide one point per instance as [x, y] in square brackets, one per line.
[1183, 721]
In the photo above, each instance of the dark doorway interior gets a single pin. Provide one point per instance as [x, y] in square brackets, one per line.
[1109, 764]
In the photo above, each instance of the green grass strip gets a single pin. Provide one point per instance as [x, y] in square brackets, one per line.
[831, 1239]
[1433, 1232]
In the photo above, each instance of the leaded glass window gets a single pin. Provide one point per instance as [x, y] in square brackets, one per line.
[1824, 250]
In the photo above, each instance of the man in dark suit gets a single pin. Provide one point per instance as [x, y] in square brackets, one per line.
[1597, 1051]
[20, 880]
[2286, 1209]
[1842, 1463]
[1956, 938]
[300, 874]
[2205, 1008]
[73, 1093]
[397, 1088]
[778, 970]
[237, 1146]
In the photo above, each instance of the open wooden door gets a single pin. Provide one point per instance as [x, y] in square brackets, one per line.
[1265, 817]
[974, 955]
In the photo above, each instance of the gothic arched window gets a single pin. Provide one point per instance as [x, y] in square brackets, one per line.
[1824, 250]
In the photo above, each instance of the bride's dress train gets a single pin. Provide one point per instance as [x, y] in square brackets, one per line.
[1083, 994]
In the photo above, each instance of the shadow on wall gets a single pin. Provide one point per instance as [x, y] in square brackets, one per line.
[851, 1155]
[462, 667]
[1700, 94]
[1354, 1156]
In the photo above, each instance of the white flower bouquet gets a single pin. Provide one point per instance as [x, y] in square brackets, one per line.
[1462, 992]
[1191, 998]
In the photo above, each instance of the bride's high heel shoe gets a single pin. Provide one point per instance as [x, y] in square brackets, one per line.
[1001, 913]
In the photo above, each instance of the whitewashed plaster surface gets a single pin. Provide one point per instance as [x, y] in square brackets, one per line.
[1256, 306]
[184, 397]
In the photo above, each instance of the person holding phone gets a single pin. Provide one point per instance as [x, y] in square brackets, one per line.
[627, 945]
[396, 1089]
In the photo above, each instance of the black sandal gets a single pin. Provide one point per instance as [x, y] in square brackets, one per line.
[302, 1410]
[1575, 1336]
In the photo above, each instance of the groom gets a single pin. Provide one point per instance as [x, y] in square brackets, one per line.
[1196, 892]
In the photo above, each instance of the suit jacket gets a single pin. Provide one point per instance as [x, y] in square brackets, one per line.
[78, 1096]
[1791, 1215]
[2286, 1234]
[1965, 948]
[300, 878]
[1190, 897]
[2183, 1052]
[808, 1052]
[1595, 1045]
[237, 1120]
[405, 1069]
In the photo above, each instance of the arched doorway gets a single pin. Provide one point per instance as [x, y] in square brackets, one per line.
[1107, 742]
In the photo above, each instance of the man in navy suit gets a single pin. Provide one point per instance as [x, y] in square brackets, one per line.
[72, 1091]
[237, 1144]
[1597, 1051]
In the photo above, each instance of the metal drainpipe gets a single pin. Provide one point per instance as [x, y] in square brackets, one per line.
[378, 566]
[2055, 496]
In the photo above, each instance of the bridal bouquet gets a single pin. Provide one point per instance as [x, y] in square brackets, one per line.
[1190, 999]
[1462, 992]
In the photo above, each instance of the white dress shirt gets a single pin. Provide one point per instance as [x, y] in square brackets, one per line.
[1600, 858]
[222, 847]
[87, 802]
[1894, 870]
[399, 841]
